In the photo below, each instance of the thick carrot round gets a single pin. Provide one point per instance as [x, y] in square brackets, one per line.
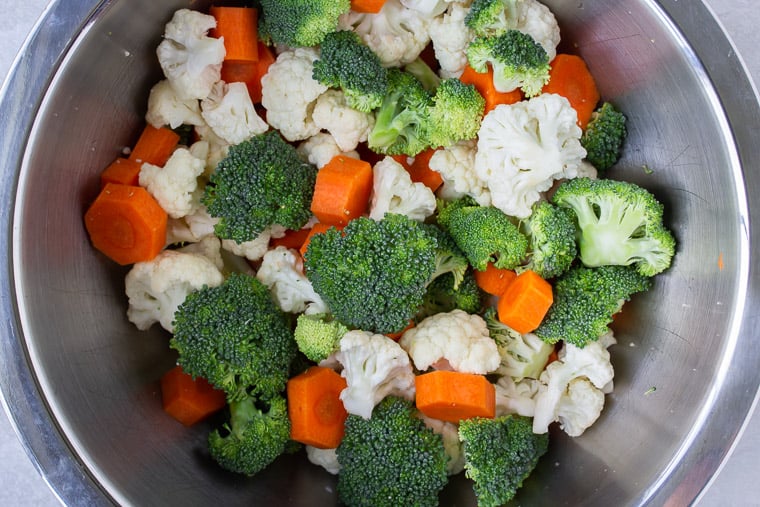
[569, 76]
[155, 145]
[315, 410]
[420, 171]
[453, 396]
[494, 280]
[123, 171]
[126, 224]
[342, 190]
[368, 6]
[239, 28]
[189, 400]
[525, 302]
[483, 82]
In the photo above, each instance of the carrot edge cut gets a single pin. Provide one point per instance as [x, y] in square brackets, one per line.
[342, 190]
[453, 396]
[316, 412]
[525, 303]
[189, 400]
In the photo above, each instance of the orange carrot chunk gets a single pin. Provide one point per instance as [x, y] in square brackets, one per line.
[525, 302]
[315, 410]
[123, 171]
[569, 76]
[155, 145]
[453, 396]
[420, 171]
[368, 6]
[483, 82]
[342, 190]
[189, 400]
[494, 280]
[126, 224]
[239, 28]
[292, 239]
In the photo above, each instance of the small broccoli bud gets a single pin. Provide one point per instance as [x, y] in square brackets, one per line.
[604, 137]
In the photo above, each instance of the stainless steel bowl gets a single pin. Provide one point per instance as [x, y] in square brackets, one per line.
[81, 383]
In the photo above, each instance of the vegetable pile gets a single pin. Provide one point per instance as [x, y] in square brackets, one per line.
[383, 231]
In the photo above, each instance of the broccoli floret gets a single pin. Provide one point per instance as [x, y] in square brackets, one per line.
[455, 114]
[491, 17]
[522, 356]
[347, 63]
[400, 122]
[485, 234]
[499, 455]
[518, 61]
[255, 435]
[619, 223]
[390, 459]
[551, 239]
[373, 274]
[236, 337]
[261, 182]
[318, 335]
[585, 299]
[604, 136]
[449, 258]
[442, 296]
[295, 23]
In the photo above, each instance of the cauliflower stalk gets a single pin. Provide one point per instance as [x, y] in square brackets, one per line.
[394, 192]
[175, 186]
[326, 458]
[514, 397]
[229, 112]
[281, 271]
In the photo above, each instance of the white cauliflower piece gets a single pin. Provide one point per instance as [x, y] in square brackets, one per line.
[210, 247]
[348, 126]
[455, 339]
[217, 148]
[230, 113]
[319, 149]
[430, 8]
[166, 108]
[538, 21]
[289, 93]
[156, 288]
[450, 38]
[254, 249]
[524, 147]
[282, 271]
[326, 458]
[586, 170]
[396, 34]
[374, 367]
[394, 192]
[191, 61]
[516, 397]
[456, 165]
[190, 228]
[175, 186]
[579, 407]
[453, 447]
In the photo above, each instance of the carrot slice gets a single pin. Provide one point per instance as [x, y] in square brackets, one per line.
[189, 400]
[420, 171]
[316, 413]
[155, 145]
[123, 171]
[249, 73]
[342, 190]
[292, 239]
[483, 82]
[569, 76]
[126, 224]
[494, 280]
[453, 396]
[239, 27]
[368, 6]
[525, 302]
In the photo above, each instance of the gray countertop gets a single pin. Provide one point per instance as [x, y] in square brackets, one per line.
[735, 485]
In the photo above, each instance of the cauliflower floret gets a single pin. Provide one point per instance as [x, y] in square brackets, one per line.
[166, 108]
[348, 126]
[516, 397]
[319, 149]
[374, 367]
[254, 249]
[396, 34]
[229, 111]
[456, 339]
[586, 170]
[429, 8]
[289, 93]
[156, 288]
[450, 38]
[210, 247]
[190, 228]
[191, 61]
[175, 186]
[451, 444]
[217, 148]
[394, 192]
[524, 147]
[579, 407]
[282, 271]
[456, 165]
[326, 458]
[535, 19]
[591, 362]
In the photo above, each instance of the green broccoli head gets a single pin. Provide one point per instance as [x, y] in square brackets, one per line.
[400, 121]
[551, 237]
[318, 335]
[604, 136]
[372, 274]
[448, 258]
[491, 17]
[345, 62]
[390, 459]
[261, 182]
[585, 299]
[499, 455]
[257, 433]
[485, 234]
[619, 223]
[443, 296]
[236, 337]
[455, 114]
[305, 23]
[518, 61]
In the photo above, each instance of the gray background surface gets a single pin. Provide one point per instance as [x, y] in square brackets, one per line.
[736, 485]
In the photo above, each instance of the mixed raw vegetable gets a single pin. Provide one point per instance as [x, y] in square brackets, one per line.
[380, 230]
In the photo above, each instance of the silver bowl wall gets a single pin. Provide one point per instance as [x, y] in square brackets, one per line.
[81, 383]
